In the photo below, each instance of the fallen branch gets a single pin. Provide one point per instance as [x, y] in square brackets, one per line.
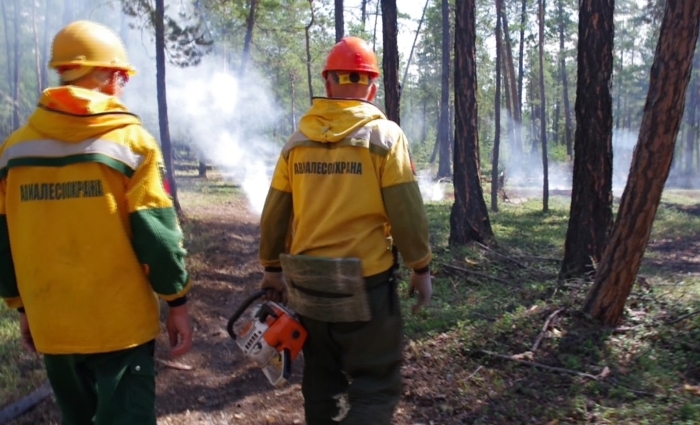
[544, 330]
[532, 257]
[683, 317]
[483, 275]
[19, 407]
[541, 366]
[505, 257]
[474, 373]
[174, 365]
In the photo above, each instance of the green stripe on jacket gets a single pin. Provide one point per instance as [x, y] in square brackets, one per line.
[157, 241]
[68, 160]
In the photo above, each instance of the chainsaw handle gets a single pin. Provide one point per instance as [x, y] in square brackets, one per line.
[243, 307]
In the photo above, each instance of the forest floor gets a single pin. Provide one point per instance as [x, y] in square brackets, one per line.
[503, 342]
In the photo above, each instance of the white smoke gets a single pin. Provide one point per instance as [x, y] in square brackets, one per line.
[430, 190]
[225, 119]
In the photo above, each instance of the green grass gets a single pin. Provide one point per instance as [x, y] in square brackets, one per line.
[649, 364]
[500, 304]
[20, 372]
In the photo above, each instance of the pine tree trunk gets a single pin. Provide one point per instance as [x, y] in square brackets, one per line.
[497, 111]
[166, 144]
[16, 76]
[510, 128]
[618, 84]
[521, 56]
[250, 24]
[8, 53]
[363, 7]
[390, 64]
[565, 83]
[444, 168]
[45, 47]
[376, 19]
[469, 219]
[651, 162]
[543, 115]
[307, 35]
[413, 46]
[591, 197]
[510, 84]
[339, 21]
[37, 50]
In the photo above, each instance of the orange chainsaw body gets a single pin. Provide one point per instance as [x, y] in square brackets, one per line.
[272, 338]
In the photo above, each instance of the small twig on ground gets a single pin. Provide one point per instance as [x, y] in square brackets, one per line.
[454, 287]
[633, 391]
[18, 408]
[683, 317]
[541, 366]
[531, 257]
[474, 373]
[483, 275]
[544, 330]
[505, 257]
[174, 365]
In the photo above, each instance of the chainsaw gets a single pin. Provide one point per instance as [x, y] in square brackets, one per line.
[272, 337]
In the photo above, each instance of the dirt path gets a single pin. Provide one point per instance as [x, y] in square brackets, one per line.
[222, 387]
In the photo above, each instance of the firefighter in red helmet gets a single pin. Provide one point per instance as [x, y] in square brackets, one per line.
[343, 202]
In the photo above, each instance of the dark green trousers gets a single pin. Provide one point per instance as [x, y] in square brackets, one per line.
[359, 362]
[115, 388]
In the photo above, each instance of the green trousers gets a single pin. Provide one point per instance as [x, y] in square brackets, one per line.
[355, 365]
[115, 388]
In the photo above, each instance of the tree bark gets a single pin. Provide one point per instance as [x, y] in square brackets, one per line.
[250, 24]
[618, 83]
[307, 29]
[564, 82]
[591, 197]
[543, 114]
[376, 18]
[691, 116]
[8, 52]
[45, 47]
[390, 64]
[364, 14]
[521, 56]
[444, 166]
[497, 111]
[469, 218]
[37, 50]
[166, 145]
[413, 46]
[15, 75]
[651, 162]
[339, 22]
[511, 86]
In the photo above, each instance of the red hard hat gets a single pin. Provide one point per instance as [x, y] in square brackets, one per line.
[352, 54]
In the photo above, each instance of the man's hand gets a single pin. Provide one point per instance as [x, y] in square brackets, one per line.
[276, 288]
[420, 283]
[179, 330]
[27, 340]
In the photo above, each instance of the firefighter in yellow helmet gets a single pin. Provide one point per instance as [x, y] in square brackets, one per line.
[89, 239]
[345, 194]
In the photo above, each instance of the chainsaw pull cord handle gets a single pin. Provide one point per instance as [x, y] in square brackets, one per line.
[243, 307]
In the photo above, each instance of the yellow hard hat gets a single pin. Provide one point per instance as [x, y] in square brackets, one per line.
[89, 44]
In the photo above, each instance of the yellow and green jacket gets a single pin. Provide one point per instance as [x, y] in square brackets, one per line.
[88, 234]
[346, 185]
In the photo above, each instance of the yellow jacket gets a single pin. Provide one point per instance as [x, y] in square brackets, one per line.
[87, 231]
[346, 184]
